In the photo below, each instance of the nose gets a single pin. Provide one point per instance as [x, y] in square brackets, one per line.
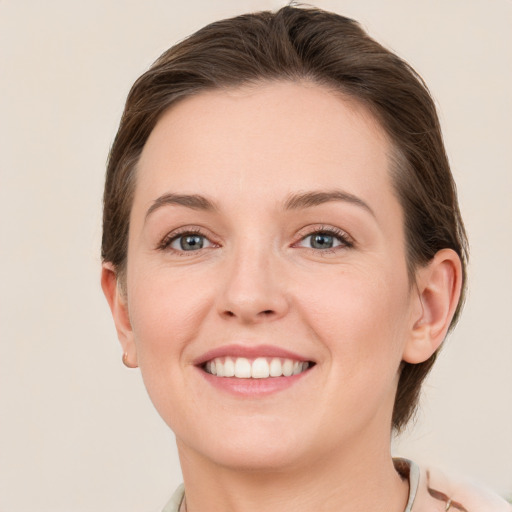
[254, 289]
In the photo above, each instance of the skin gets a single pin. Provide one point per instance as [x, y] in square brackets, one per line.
[324, 442]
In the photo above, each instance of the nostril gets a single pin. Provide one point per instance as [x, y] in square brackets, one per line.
[242, 314]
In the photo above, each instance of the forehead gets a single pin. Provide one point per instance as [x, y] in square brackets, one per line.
[257, 142]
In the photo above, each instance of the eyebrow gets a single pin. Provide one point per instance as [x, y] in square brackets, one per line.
[194, 201]
[296, 201]
[318, 197]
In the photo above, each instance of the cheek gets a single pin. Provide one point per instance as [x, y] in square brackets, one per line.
[165, 313]
[360, 316]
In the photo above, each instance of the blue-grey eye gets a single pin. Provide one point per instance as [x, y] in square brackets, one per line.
[189, 242]
[323, 240]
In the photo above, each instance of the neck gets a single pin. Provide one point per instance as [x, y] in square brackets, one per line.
[342, 482]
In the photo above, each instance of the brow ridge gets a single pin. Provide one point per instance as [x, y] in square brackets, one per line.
[297, 201]
[194, 201]
[317, 197]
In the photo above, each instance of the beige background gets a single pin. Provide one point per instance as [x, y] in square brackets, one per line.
[77, 431]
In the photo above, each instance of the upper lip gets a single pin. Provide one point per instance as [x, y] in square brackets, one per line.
[250, 352]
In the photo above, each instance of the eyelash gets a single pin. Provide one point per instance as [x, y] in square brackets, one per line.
[345, 240]
[165, 244]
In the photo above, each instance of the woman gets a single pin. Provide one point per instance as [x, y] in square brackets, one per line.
[283, 256]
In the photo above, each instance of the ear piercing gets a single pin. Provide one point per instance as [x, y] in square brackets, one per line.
[127, 363]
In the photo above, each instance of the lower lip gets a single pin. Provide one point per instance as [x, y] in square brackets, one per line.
[253, 387]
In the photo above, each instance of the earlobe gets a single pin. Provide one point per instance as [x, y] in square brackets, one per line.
[119, 308]
[437, 292]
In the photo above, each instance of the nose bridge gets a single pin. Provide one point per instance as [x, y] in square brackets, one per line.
[252, 289]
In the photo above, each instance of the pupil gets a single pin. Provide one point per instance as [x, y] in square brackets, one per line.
[191, 242]
[322, 241]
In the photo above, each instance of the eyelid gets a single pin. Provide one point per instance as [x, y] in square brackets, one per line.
[169, 238]
[343, 236]
[346, 240]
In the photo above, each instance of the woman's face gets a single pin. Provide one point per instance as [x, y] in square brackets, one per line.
[265, 237]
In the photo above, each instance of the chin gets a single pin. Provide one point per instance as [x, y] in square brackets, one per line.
[262, 458]
[262, 447]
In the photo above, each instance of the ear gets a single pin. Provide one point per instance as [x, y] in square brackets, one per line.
[119, 307]
[438, 288]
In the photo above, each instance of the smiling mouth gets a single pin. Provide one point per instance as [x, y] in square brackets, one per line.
[258, 368]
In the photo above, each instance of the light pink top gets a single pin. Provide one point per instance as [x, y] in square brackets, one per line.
[430, 490]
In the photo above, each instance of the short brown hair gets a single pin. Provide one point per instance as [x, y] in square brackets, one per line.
[328, 49]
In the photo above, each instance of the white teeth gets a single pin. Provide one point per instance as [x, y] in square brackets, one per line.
[220, 367]
[242, 368]
[276, 368]
[229, 367]
[259, 368]
[288, 368]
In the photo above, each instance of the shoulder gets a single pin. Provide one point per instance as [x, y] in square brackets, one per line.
[438, 491]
